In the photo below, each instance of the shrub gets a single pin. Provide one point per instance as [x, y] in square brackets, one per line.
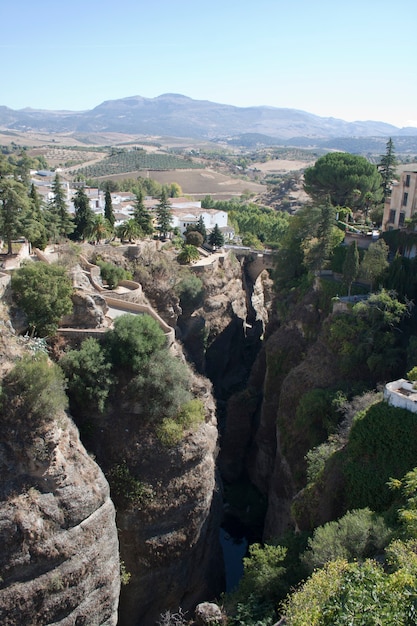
[356, 535]
[171, 430]
[190, 290]
[125, 486]
[133, 340]
[33, 391]
[88, 376]
[44, 293]
[112, 273]
[161, 387]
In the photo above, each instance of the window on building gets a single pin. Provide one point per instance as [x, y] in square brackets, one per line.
[401, 219]
[405, 198]
[392, 215]
[407, 180]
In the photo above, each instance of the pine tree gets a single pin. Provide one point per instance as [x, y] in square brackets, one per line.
[386, 168]
[164, 216]
[34, 226]
[216, 238]
[141, 214]
[61, 219]
[14, 203]
[108, 207]
[84, 216]
[200, 227]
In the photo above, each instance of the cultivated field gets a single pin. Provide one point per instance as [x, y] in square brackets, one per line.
[282, 165]
[199, 183]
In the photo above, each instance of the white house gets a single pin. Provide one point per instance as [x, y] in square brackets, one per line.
[187, 213]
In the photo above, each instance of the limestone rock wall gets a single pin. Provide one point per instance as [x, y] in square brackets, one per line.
[59, 557]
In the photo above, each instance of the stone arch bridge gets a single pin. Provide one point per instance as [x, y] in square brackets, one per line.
[255, 261]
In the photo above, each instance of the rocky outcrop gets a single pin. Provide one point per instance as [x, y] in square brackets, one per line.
[89, 311]
[59, 560]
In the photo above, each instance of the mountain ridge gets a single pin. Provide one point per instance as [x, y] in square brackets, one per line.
[182, 116]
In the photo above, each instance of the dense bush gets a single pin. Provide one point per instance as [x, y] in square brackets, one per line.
[160, 387]
[44, 293]
[133, 340]
[32, 392]
[88, 374]
[357, 535]
[382, 445]
[190, 290]
[358, 593]
[194, 238]
[171, 430]
[112, 273]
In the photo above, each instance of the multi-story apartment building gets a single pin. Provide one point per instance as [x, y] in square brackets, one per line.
[402, 204]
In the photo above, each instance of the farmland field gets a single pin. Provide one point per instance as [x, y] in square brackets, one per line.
[123, 162]
[200, 182]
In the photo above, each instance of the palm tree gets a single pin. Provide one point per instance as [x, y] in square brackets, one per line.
[129, 230]
[100, 228]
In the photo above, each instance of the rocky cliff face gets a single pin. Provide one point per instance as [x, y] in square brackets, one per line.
[169, 534]
[261, 435]
[59, 560]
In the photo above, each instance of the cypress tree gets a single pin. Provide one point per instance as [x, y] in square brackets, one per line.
[84, 216]
[108, 207]
[351, 265]
[386, 168]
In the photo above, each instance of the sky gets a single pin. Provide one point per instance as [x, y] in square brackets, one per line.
[351, 60]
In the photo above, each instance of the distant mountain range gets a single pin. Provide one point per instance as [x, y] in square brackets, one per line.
[180, 116]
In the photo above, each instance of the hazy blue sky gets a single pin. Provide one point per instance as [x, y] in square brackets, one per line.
[354, 60]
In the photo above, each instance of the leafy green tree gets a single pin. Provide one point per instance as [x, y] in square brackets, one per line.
[338, 176]
[14, 203]
[375, 261]
[216, 238]
[108, 207]
[132, 341]
[367, 340]
[188, 253]
[61, 219]
[351, 266]
[164, 216]
[386, 168]
[175, 190]
[88, 374]
[194, 238]
[33, 393]
[44, 293]
[261, 587]
[84, 216]
[141, 214]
